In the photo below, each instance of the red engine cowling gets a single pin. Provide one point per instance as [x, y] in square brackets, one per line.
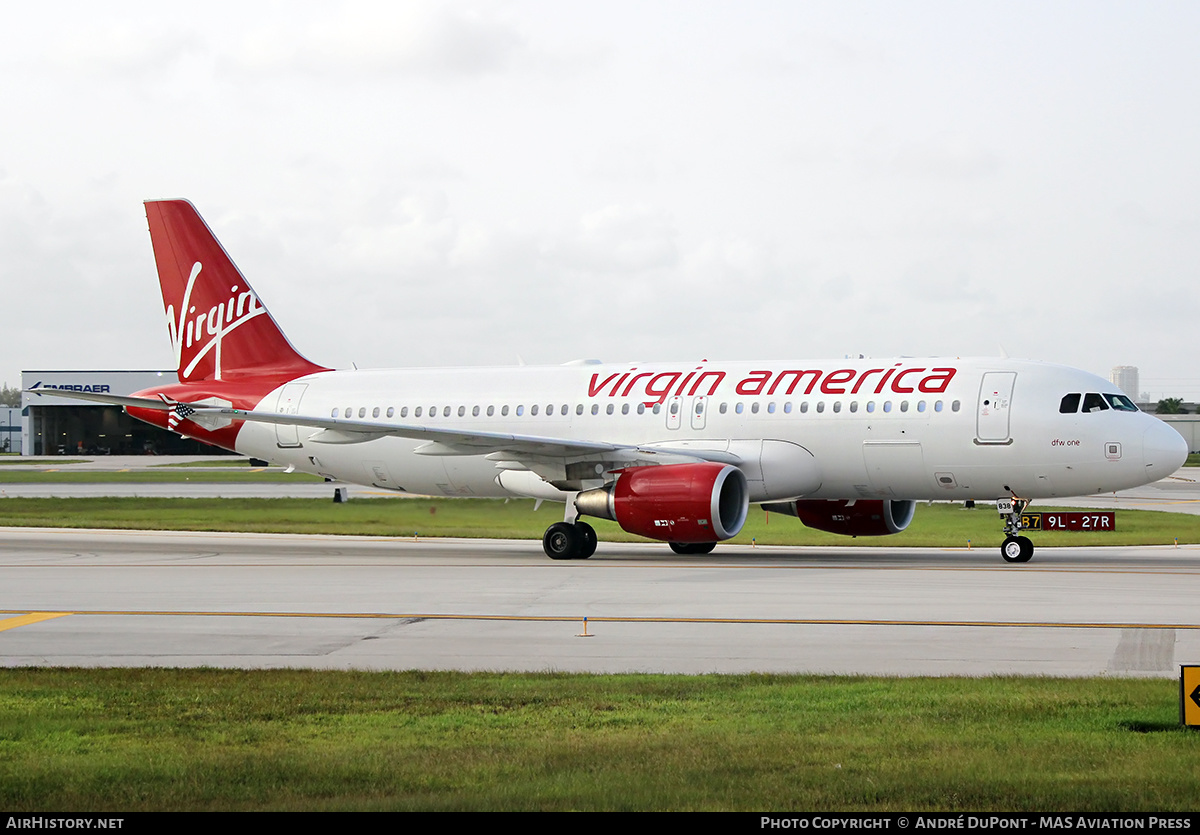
[850, 517]
[674, 502]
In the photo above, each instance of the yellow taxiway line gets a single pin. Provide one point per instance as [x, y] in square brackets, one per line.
[37, 616]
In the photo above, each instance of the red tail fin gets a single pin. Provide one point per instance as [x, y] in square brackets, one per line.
[218, 327]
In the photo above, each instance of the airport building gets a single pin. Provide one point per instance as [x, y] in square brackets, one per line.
[52, 425]
[10, 429]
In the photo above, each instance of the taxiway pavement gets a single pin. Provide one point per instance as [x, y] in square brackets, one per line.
[118, 598]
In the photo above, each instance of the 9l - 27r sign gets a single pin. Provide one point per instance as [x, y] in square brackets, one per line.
[1105, 520]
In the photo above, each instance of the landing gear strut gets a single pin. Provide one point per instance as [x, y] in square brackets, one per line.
[1016, 548]
[569, 541]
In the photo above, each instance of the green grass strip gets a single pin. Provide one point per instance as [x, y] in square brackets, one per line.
[152, 739]
[150, 476]
[939, 525]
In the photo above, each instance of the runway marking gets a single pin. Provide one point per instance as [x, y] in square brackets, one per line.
[32, 617]
[616, 619]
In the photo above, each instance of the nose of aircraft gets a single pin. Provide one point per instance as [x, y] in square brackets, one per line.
[1164, 448]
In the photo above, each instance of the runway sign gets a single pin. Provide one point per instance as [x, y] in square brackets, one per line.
[1089, 520]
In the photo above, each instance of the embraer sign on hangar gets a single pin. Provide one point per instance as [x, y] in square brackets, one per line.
[45, 383]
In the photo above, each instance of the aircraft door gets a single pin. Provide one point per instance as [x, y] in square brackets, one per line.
[992, 411]
[699, 407]
[289, 404]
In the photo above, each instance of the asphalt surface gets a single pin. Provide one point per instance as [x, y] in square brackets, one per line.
[115, 598]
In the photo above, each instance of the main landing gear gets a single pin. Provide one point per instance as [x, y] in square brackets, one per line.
[1016, 548]
[569, 541]
[693, 547]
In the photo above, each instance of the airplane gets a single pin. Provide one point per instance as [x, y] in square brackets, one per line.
[675, 452]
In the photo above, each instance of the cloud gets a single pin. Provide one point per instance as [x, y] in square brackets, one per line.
[404, 39]
[616, 238]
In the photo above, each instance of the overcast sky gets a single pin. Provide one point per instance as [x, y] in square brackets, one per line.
[469, 183]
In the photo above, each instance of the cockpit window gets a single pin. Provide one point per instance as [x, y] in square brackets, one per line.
[1069, 404]
[1093, 402]
[1120, 402]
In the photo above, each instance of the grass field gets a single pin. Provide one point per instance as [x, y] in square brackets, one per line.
[163, 476]
[129, 740]
[939, 525]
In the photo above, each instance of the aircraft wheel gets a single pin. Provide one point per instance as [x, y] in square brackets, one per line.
[562, 542]
[1017, 549]
[588, 540]
[684, 548]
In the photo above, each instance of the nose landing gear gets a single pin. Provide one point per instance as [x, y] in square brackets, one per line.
[1016, 548]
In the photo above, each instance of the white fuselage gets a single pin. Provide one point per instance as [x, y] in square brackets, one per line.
[901, 429]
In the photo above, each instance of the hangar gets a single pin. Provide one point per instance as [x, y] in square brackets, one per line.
[53, 425]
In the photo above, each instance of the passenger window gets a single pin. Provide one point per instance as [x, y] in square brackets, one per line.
[334, 413]
[1069, 404]
[446, 411]
[417, 413]
[954, 407]
[1093, 402]
[491, 411]
[641, 408]
[904, 405]
[391, 412]
[521, 410]
[771, 408]
[579, 409]
[887, 405]
[920, 405]
[657, 408]
[533, 410]
[837, 405]
[474, 411]
[724, 408]
[754, 407]
[854, 405]
[820, 405]
[804, 408]
[595, 408]
[870, 405]
[937, 407]
[403, 411]
[608, 410]
[738, 408]
[624, 408]
[787, 408]
[362, 411]
[504, 410]
[375, 412]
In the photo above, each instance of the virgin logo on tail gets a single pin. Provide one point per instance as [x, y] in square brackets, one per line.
[189, 330]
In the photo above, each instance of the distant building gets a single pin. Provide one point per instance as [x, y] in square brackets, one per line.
[1125, 377]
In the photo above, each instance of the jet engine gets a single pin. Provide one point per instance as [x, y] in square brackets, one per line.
[853, 517]
[703, 502]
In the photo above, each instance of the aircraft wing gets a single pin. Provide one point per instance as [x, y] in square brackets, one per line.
[164, 405]
[499, 446]
[441, 441]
